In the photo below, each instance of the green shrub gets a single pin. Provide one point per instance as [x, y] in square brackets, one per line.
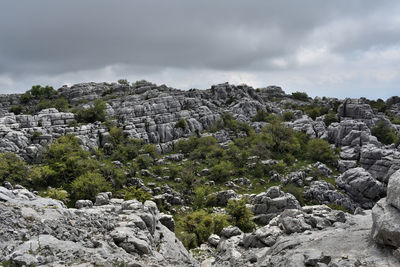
[302, 96]
[37, 92]
[88, 185]
[174, 170]
[67, 160]
[379, 104]
[240, 215]
[95, 113]
[282, 140]
[117, 136]
[56, 193]
[288, 116]
[385, 133]
[222, 171]
[36, 135]
[330, 118]
[123, 81]
[149, 149]
[13, 169]
[195, 228]
[132, 192]
[320, 150]
[297, 192]
[16, 109]
[237, 156]
[127, 150]
[181, 124]
[143, 162]
[228, 122]
[260, 116]
[395, 120]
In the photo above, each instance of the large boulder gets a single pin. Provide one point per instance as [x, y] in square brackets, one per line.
[393, 190]
[361, 186]
[326, 193]
[271, 203]
[356, 109]
[386, 215]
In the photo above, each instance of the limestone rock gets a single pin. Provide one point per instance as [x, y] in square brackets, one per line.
[361, 186]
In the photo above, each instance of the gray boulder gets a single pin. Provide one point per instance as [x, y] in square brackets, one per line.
[326, 193]
[393, 190]
[270, 204]
[230, 231]
[103, 198]
[83, 204]
[361, 186]
[386, 228]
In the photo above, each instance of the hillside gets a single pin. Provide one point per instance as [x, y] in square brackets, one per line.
[139, 174]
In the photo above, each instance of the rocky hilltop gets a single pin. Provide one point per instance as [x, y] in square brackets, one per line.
[229, 155]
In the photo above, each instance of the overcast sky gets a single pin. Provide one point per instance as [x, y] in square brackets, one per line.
[332, 48]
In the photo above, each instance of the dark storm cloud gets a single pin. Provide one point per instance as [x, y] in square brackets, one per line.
[45, 38]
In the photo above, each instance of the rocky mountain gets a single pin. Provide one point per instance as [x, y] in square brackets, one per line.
[308, 210]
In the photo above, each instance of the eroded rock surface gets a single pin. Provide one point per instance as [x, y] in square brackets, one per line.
[42, 231]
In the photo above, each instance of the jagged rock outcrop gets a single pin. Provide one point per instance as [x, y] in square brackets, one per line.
[314, 129]
[361, 186]
[42, 231]
[271, 203]
[326, 193]
[356, 109]
[380, 162]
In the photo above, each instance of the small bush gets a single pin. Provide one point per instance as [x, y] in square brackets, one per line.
[320, 150]
[288, 116]
[95, 113]
[135, 193]
[88, 185]
[16, 109]
[260, 116]
[297, 192]
[240, 215]
[195, 228]
[123, 81]
[302, 96]
[12, 169]
[143, 162]
[222, 171]
[385, 133]
[56, 193]
[330, 118]
[181, 124]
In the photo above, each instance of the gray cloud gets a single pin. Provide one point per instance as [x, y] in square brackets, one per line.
[303, 45]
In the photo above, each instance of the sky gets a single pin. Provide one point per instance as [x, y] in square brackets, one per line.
[341, 48]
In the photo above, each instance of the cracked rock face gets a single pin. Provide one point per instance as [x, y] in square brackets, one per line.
[386, 215]
[44, 232]
[361, 186]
